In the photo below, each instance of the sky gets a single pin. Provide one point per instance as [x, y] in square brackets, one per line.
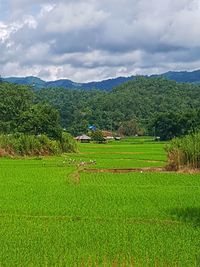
[98, 39]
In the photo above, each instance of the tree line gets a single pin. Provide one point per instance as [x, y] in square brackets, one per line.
[20, 112]
[151, 106]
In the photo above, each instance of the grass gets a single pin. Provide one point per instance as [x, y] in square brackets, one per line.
[124, 154]
[184, 152]
[143, 219]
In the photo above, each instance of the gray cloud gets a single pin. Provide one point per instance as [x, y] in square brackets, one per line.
[93, 40]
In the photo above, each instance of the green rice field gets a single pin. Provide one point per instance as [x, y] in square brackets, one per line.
[55, 214]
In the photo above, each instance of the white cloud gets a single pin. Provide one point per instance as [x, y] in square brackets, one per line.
[92, 40]
[74, 16]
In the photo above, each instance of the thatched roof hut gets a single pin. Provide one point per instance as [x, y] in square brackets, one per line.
[108, 135]
[83, 138]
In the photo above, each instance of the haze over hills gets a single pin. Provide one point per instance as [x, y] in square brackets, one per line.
[181, 77]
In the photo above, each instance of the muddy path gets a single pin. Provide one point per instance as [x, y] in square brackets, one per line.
[142, 170]
[127, 170]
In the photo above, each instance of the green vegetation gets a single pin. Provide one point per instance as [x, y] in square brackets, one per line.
[30, 128]
[137, 103]
[20, 113]
[128, 153]
[50, 215]
[137, 107]
[14, 100]
[184, 152]
[169, 125]
[92, 208]
[40, 119]
[97, 136]
[30, 145]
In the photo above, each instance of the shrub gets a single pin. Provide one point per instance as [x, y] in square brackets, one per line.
[30, 145]
[68, 144]
[97, 136]
[184, 152]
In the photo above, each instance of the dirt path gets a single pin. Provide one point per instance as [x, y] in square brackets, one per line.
[143, 170]
[146, 169]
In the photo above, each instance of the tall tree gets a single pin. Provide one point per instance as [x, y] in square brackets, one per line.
[14, 100]
[41, 119]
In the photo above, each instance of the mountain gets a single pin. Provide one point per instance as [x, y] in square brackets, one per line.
[30, 80]
[182, 76]
[65, 83]
[109, 84]
[141, 99]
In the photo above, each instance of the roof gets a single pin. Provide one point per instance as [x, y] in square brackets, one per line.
[83, 137]
[107, 134]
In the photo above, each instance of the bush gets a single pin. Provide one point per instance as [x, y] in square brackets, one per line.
[184, 152]
[68, 144]
[97, 136]
[30, 145]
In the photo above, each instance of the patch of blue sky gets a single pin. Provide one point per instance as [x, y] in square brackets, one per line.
[4, 10]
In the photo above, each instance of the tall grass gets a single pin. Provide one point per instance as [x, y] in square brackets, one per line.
[30, 145]
[184, 152]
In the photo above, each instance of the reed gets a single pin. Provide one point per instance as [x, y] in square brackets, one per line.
[31, 145]
[184, 152]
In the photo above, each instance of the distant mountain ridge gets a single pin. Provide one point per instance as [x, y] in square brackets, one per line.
[109, 84]
[182, 76]
[65, 83]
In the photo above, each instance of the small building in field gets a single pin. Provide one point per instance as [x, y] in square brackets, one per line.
[83, 138]
[108, 135]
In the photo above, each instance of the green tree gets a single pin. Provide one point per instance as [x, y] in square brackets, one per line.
[41, 119]
[170, 125]
[166, 126]
[97, 136]
[129, 128]
[14, 100]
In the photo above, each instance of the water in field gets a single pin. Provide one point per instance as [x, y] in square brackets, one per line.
[53, 214]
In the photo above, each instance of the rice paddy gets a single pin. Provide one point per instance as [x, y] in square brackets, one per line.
[53, 214]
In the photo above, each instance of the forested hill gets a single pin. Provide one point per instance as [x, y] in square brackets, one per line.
[109, 84]
[182, 76]
[135, 104]
[141, 99]
[37, 83]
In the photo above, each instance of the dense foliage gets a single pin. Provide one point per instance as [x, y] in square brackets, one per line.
[20, 113]
[171, 124]
[23, 145]
[14, 100]
[130, 128]
[41, 118]
[30, 128]
[146, 105]
[97, 136]
[142, 100]
[184, 152]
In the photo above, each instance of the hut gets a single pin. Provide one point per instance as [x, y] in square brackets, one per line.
[107, 135]
[83, 138]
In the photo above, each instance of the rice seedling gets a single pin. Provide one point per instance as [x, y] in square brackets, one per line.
[106, 219]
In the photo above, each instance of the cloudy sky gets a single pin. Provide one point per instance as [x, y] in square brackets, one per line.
[97, 39]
